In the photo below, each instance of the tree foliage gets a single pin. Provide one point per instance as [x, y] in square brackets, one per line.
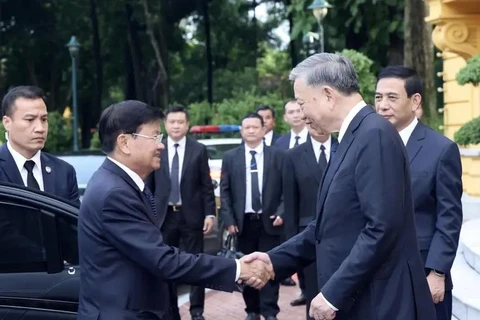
[469, 133]
[470, 73]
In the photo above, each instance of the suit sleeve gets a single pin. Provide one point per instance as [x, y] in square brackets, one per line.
[226, 207]
[449, 211]
[290, 197]
[380, 182]
[73, 193]
[281, 207]
[208, 196]
[126, 227]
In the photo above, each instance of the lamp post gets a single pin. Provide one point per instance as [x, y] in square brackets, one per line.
[320, 10]
[74, 48]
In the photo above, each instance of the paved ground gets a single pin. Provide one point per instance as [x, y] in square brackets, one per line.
[222, 305]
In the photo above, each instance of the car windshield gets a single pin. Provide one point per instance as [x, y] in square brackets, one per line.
[85, 166]
[215, 152]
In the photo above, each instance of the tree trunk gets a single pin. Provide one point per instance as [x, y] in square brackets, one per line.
[292, 46]
[96, 106]
[208, 44]
[135, 54]
[418, 52]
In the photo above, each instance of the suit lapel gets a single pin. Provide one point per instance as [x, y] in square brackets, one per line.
[165, 165]
[187, 156]
[339, 155]
[308, 156]
[240, 169]
[48, 175]
[9, 167]
[266, 165]
[415, 142]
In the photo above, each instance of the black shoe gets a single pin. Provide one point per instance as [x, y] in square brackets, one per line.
[271, 318]
[252, 316]
[288, 282]
[198, 317]
[300, 301]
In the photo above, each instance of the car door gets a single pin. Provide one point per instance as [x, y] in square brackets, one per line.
[39, 273]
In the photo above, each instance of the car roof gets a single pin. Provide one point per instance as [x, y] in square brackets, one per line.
[220, 141]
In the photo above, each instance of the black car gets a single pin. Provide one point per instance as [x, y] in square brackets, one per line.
[39, 267]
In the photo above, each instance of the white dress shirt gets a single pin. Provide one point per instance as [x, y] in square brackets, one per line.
[268, 137]
[141, 185]
[346, 122]
[248, 159]
[20, 162]
[408, 130]
[316, 148]
[343, 128]
[302, 135]
[181, 156]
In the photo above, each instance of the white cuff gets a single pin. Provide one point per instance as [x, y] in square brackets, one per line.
[328, 303]
[211, 216]
[239, 270]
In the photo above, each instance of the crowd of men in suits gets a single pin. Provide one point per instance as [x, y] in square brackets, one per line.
[369, 220]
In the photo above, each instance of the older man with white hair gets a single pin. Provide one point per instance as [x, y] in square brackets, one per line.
[368, 262]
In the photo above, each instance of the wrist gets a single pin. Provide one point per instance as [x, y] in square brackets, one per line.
[437, 273]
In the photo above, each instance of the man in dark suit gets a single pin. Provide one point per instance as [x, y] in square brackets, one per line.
[436, 174]
[125, 263]
[302, 172]
[368, 262]
[25, 118]
[268, 115]
[184, 198]
[252, 207]
[298, 130]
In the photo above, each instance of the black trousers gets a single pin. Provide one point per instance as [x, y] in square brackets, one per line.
[255, 238]
[176, 231]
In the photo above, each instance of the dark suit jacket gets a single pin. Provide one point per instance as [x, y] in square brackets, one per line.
[233, 188]
[436, 172]
[196, 188]
[301, 180]
[283, 142]
[60, 181]
[368, 263]
[125, 264]
[275, 137]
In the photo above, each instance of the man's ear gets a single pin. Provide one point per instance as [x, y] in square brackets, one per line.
[122, 143]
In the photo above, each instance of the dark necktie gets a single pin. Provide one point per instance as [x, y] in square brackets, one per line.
[174, 178]
[151, 199]
[31, 181]
[256, 199]
[296, 141]
[322, 160]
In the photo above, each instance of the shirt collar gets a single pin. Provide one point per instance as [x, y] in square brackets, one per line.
[269, 135]
[20, 160]
[351, 114]
[181, 142]
[259, 149]
[316, 144]
[135, 177]
[302, 134]
[408, 130]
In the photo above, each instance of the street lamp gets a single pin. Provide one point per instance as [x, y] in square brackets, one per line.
[74, 48]
[320, 10]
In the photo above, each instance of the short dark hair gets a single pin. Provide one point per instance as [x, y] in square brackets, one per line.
[124, 117]
[253, 115]
[26, 92]
[264, 107]
[413, 82]
[176, 109]
[289, 101]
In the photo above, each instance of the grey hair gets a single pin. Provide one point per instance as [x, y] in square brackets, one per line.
[329, 69]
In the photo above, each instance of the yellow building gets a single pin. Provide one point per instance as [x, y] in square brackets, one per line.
[457, 35]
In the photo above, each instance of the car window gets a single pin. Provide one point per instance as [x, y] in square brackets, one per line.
[215, 152]
[21, 235]
[85, 166]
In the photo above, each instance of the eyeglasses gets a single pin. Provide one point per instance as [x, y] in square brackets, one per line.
[157, 138]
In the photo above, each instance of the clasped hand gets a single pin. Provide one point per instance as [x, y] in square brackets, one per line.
[256, 270]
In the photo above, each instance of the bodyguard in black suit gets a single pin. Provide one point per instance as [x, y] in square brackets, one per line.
[364, 237]
[251, 205]
[25, 118]
[436, 175]
[268, 115]
[125, 263]
[302, 172]
[298, 130]
[184, 197]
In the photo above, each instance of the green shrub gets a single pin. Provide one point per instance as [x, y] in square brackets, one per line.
[469, 133]
[470, 73]
[95, 141]
[366, 78]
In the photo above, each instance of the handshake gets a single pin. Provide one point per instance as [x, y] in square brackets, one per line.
[256, 270]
